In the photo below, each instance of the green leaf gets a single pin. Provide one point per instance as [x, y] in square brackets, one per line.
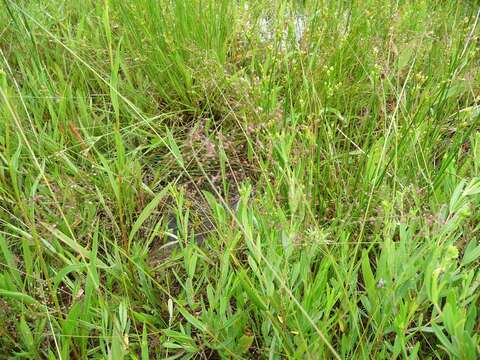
[9, 258]
[26, 333]
[368, 278]
[118, 345]
[174, 148]
[74, 245]
[27, 299]
[251, 292]
[245, 342]
[471, 253]
[144, 344]
[65, 271]
[192, 320]
[70, 324]
[146, 212]
[406, 54]
[444, 340]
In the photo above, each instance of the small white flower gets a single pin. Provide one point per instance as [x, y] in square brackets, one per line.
[381, 284]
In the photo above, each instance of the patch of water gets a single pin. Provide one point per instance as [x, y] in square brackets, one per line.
[267, 29]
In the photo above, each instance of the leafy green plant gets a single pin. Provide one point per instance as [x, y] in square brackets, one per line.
[239, 179]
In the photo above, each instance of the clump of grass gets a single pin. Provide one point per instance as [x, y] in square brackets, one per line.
[216, 179]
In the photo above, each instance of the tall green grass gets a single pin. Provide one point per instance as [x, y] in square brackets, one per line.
[236, 179]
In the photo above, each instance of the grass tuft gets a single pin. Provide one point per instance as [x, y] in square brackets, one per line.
[239, 179]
